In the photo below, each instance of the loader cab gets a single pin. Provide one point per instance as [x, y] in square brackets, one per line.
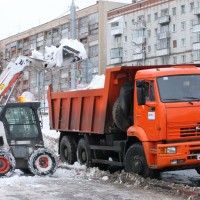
[21, 123]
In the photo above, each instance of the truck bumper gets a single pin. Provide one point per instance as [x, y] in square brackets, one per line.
[178, 154]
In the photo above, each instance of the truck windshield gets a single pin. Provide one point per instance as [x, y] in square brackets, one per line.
[179, 88]
[21, 122]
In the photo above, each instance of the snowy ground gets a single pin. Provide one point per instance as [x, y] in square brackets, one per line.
[78, 183]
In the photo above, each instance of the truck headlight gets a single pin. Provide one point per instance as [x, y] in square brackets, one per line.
[171, 150]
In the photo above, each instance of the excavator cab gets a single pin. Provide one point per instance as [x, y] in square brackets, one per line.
[22, 145]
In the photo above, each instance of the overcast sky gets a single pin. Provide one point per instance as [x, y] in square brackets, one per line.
[19, 15]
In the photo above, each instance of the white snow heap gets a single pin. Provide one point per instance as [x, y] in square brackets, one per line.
[28, 96]
[68, 51]
[97, 82]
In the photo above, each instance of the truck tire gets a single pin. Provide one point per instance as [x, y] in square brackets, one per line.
[7, 164]
[68, 150]
[197, 170]
[126, 98]
[120, 120]
[83, 153]
[42, 162]
[135, 161]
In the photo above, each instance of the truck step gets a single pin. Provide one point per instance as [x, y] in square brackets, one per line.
[106, 148]
[107, 162]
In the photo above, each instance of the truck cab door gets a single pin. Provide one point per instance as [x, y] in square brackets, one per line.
[146, 109]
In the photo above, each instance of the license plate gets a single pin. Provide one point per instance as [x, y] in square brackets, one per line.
[198, 157]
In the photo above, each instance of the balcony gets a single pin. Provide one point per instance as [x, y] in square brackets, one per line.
[117, 44]
[164, 19]
[93, 38]
[139, 56]
[117, 30]
[115, 60]
[117, 26]
[139, 25]
[196, 56]
[139, 40]
[196, 11]
[163, 35]
[196, 46]
[163, 52]
[196, 38]
[196, 28]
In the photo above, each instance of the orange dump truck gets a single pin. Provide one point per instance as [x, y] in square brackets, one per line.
[145, 119]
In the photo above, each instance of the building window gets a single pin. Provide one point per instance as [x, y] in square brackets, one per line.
[93, 51]
[149, 18]
[183, 26]
[155, 16]
[117, 38]
[191, 6]
[116, 53]
[182, 9]
[133, 21]
[149, 49]
[183, 42]
[174, 28]
[174, 60]
[183, 58]
[192, 23]
[174, 11]
[125, 24]
[148, 33]
[125, 53]
[125, 38]
[174, 43]
[156, 31]
[156, 62]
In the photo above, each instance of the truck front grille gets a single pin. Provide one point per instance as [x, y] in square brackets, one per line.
[190, 131]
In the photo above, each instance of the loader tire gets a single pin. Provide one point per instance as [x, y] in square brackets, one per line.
[68, 150]
[42, 162]
[7, 164]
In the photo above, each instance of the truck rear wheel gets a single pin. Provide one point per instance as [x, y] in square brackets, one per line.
[68, 150]
[83, 153]
[42, 162]
[135, 161]
[7, 164]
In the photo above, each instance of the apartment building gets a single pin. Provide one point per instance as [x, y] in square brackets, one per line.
[154, 32]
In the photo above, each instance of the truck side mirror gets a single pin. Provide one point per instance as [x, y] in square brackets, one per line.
[141, 85]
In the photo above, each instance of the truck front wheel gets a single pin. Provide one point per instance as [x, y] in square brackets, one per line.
[83, 153]
[135, 161]
[68, 150]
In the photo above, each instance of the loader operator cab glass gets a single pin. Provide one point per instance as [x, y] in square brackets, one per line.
[21, 123]
[179, 88]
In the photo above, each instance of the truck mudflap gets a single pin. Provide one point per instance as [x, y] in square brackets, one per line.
[178, 154]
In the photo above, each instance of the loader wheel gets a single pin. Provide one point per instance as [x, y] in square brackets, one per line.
[83, 153]
[68, 150]
[135, 161]
[7, 164]
[42, 162]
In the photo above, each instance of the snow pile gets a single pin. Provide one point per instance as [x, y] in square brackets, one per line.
[68, 51]
[97, 82]
[28, 96]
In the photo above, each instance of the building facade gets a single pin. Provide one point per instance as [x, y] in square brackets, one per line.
[91, 31]
[154, 32]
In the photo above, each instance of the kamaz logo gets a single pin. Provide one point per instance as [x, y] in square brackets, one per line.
[197, 128]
